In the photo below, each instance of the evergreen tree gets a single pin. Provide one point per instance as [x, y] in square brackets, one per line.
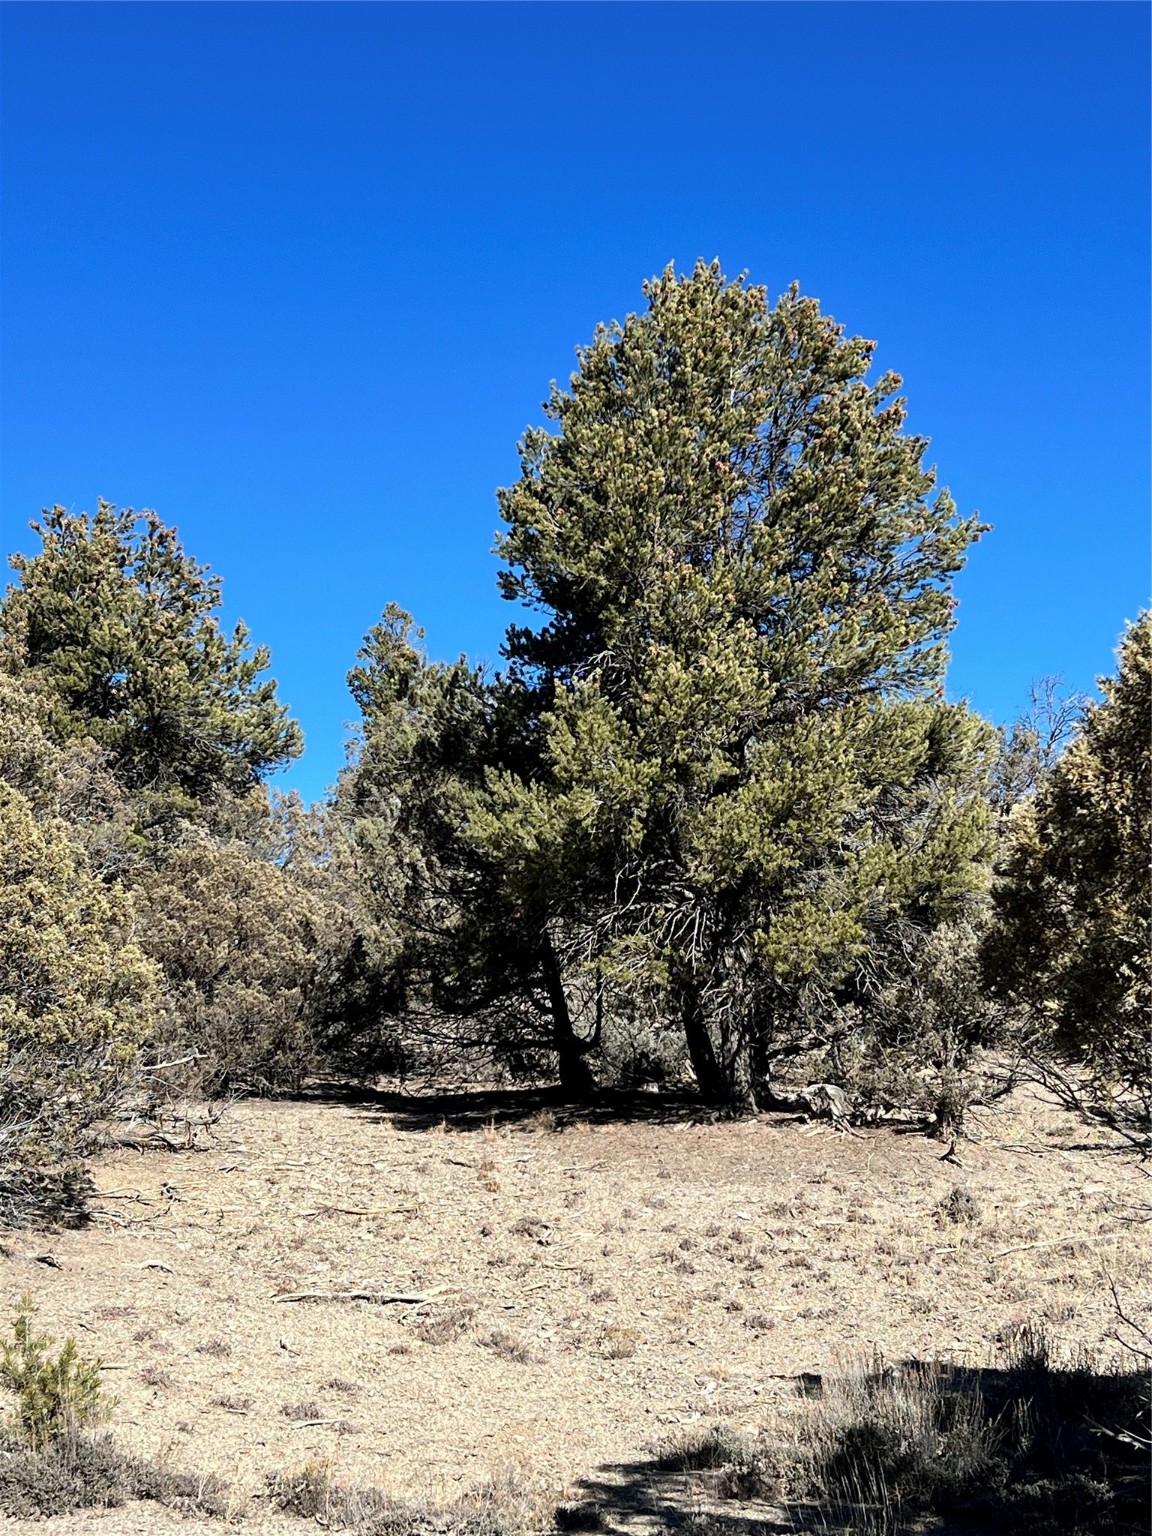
[118, 627]
[77, 996]
[1072, 941]
[473, 968]
[745, 571]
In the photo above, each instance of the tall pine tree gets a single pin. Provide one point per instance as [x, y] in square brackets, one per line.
[739, 759]
[118, 626]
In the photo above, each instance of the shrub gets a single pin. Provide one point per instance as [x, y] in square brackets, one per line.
[54, 1393]
[1031, 1446]
[1071, 943]
[496, 1507]
[76, 996]
[959, 1206]
[703, 1449]
[242, 949]
[923, 1041]
[77, 1471]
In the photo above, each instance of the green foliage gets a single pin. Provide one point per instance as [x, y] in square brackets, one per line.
[929, 1040]
[137, 732]
[459, 952]
[735, 762]
[118, 626]
[243, 949]
[54, 1393]
[77, 994]
[1072, 942]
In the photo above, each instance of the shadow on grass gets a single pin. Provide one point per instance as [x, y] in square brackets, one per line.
[1030, 1448]
[534, 1108]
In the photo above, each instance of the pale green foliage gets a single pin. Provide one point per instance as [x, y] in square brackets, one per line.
[1031, 746]
[127, 714]
[77, 994]
[119, 627]
[449, 946]
[243, 950]
[745, 570]
[923, 1042]
[55, 1393]
[1072, 943]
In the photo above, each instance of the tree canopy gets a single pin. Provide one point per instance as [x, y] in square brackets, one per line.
[1072, 941]
[744, 571]
[120, 628]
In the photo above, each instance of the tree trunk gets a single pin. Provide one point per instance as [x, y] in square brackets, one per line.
[701, 1051]
[576, 1080]
[740, 1086]
[725, 1077]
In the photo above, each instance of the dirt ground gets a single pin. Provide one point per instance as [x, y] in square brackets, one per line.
[593, 1281]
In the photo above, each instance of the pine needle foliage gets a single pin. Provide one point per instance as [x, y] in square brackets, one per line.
[119, 626]
[742, 759]
[1072, 943]
[55, 1393]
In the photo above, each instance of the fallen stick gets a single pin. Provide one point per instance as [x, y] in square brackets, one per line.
[363, 1210]
[378, 1298]
[312, 1423]
[1057, 1242]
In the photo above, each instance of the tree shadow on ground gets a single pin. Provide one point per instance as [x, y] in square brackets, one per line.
[1035, 1447]
[643, 1496]
[534, 1108]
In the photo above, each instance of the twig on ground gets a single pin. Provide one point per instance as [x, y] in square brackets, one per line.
[377, 1298]
[363, 1210]
[1055, 1242]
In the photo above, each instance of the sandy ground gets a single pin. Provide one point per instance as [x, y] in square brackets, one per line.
[593, 1283]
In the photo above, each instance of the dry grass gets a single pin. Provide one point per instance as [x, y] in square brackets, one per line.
[638, 1306]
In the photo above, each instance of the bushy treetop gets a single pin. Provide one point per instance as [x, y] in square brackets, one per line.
[119, 627]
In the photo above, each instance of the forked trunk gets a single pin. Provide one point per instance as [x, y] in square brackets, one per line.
[701, 1051]
[724, 1078]
[576, 1080]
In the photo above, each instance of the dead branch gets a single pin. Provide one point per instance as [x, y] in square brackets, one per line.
[377, 1298]
[1142, 1333]
[362, 1210]
[1056, 1242]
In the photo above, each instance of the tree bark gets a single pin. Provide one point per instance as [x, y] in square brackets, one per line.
[576, 1080]
[701, 1051]
[740, 1085]
[724, 1077]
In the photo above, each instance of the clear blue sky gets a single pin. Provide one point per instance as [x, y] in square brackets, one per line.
[298, 276]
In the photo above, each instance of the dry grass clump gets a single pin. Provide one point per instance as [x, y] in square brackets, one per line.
[960, 1207]
[444, 1326]
[703, 1448]
[618, 1343]
[219, 1349]
[78, 1471]
[1026, 1446]
[509, 1346]
[301, 1413]
[502, 1506]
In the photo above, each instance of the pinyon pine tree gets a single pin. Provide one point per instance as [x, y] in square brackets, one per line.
[117, 625]
[472, 967]
[738, 758]
[1072, 942]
